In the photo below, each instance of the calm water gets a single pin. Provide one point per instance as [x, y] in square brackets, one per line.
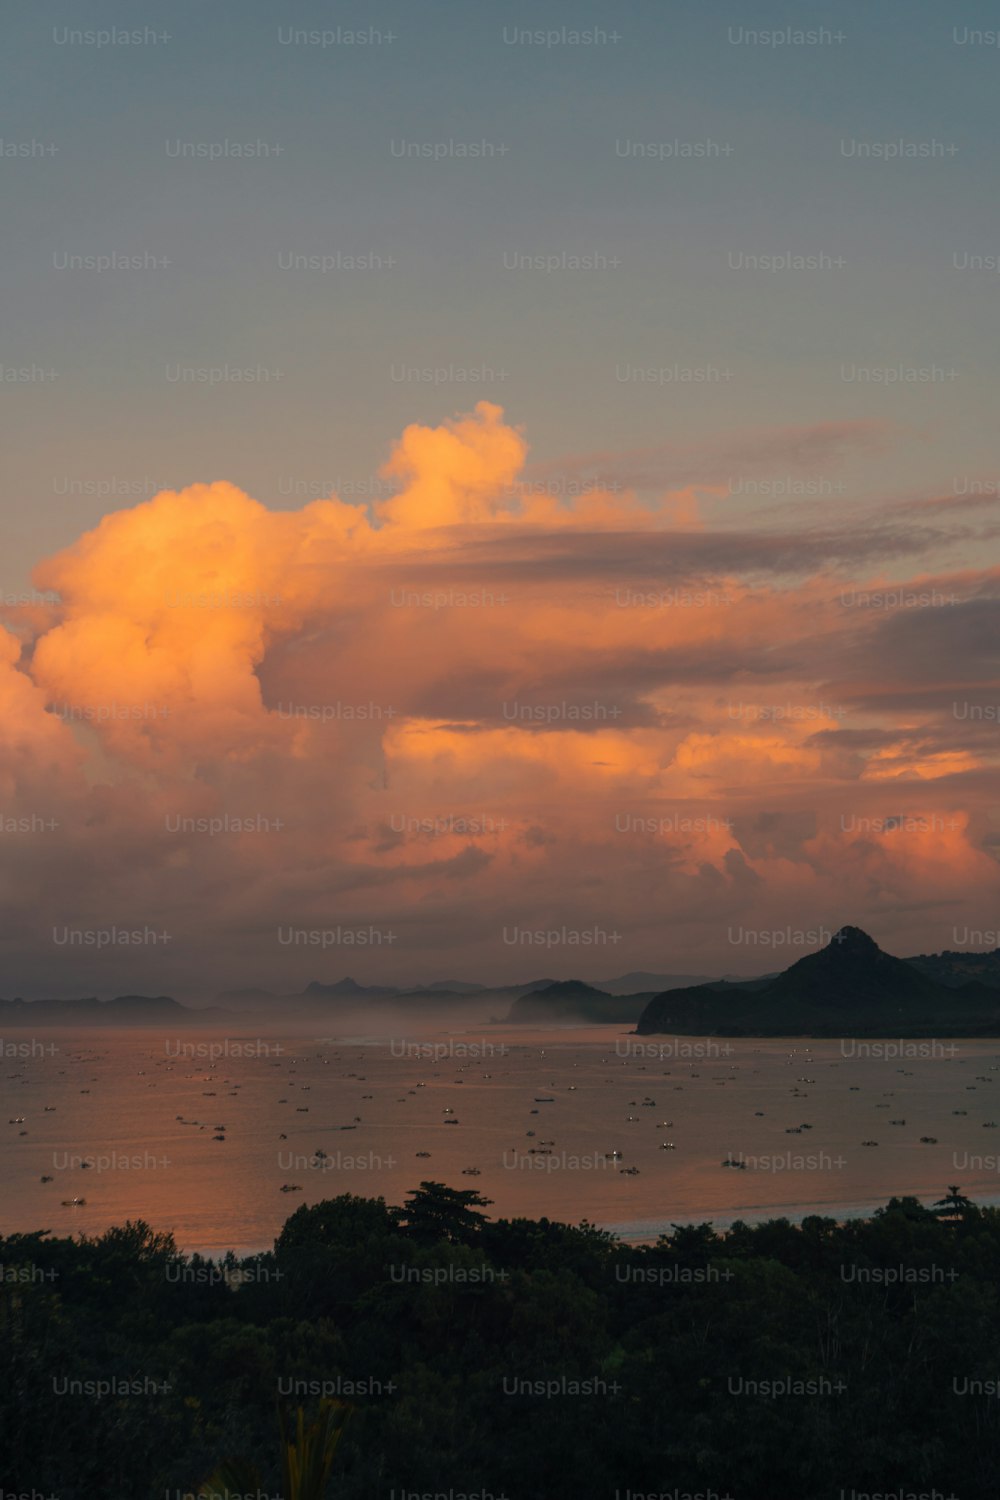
[149, 1117]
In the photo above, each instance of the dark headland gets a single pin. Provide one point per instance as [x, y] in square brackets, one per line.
[850, 985]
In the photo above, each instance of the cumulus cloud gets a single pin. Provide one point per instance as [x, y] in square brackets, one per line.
[477, 701]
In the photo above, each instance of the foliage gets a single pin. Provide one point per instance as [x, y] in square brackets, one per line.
[434, 1323]
[307, 1452]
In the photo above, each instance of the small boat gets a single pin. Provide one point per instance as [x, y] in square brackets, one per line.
[545, 1099]
[218, 1138]
[423, 1153]
[471, 1172]
[668, 1146]
[989, 1124]
[46, 1179]
[73, 1202]
[928, 1140]
[732, 1161]
[451, 1122]
[290, 1187]
[869, 1143]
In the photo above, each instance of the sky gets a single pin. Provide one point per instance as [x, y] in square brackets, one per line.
[493, 492]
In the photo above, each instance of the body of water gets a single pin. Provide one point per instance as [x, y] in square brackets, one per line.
[628, 1132]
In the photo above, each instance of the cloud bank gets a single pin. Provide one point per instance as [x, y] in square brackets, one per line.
[478, 707]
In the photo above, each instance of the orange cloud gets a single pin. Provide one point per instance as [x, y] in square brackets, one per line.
[337, 665]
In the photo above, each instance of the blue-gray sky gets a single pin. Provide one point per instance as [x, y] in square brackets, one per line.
[557, 343]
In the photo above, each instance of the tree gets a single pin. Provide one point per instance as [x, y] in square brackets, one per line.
[954, 1207]
[341, 1222]
[436, 1212]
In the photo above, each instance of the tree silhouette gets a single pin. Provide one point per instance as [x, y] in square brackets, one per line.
[954, 1207]
[435, 1212]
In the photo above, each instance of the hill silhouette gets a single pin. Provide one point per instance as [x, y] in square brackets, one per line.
[572, 1000]
[957, 968]
[850, 986]
[123, 1010]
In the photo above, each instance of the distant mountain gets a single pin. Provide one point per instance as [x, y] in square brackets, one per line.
[640, 982]
[441, 992]
[955, 969]
[124, 1010]
[349, 989]
[345, 996]
[315, 998]
[849, 987]
[571, 1000]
